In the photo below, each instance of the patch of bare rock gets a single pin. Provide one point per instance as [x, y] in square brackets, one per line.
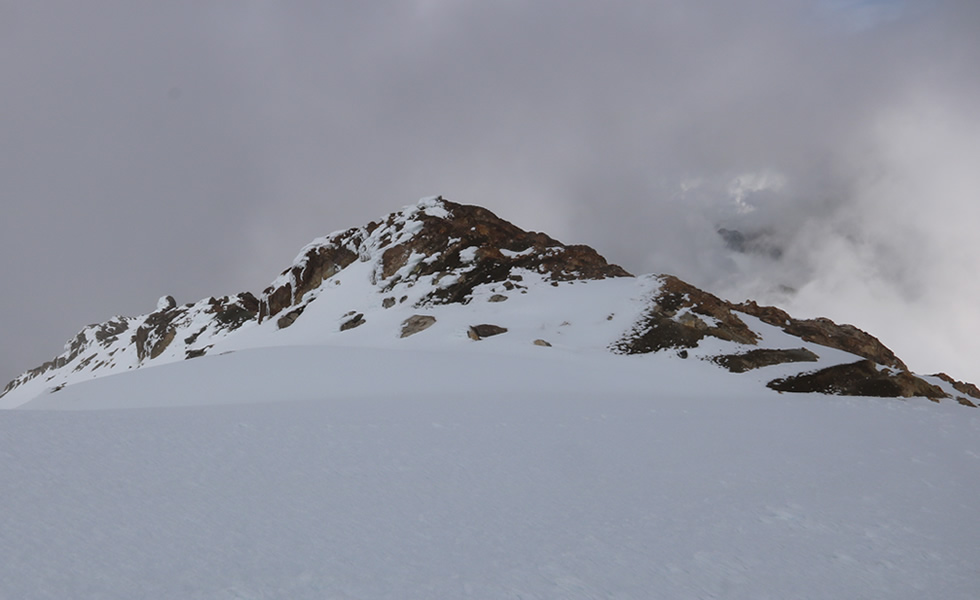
[415, 324]
[964, 388]
[501, 247]
[680, 316]
[355, 320]
[763, 357]
[826, 333]
[455, 249]
[861, 378]
[479, 332]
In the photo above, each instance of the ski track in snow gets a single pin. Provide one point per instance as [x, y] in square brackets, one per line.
[488, 495]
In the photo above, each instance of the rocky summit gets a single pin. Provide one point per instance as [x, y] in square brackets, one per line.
[438, 272]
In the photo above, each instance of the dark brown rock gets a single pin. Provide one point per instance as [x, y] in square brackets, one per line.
[501, 247]
[318, 264]
[862, 378]
[960, 386]
[289, 318]
[109, 331]
[275, 300]
[234, 312]
[485, 330]
[157, 332]
[826, 333]
[196, 352]
[415, 324]
[763, 357]
[674, 320]
[355, 321]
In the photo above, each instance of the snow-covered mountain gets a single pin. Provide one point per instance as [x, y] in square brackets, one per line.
[441, 405]
[439, 271]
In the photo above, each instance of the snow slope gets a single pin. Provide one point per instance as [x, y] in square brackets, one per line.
[313, 461]
[481, 488]
[464, 267]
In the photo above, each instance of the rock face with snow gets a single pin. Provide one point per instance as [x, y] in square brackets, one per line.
[460, 246]
[399, 277]
[169, 333]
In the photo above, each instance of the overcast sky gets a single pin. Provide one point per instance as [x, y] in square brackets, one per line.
[192, 148]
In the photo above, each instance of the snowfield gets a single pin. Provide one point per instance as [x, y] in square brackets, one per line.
[490, 475]
[327, 457]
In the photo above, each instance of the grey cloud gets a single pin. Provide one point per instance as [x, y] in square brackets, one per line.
[193, 148]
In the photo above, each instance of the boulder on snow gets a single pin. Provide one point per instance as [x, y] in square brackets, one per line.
[540, 342]
[289, 318]
[156, 333]
[680, 316]
[763, 357]
[478, 332]
[415, 324]
[316, 265]
[862, 378]
[166, 303]
[825, 332]
[355, 321]
[197, 352]
[478, 247]
[960, 386]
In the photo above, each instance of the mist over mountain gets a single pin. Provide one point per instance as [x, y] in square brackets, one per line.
[202, 146]
[397, 277]
[438, 403]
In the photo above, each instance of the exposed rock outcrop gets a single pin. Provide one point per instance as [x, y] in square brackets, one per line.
[968, 389]
[156, 332]
[170, 328]
[862, 378]
[104, 334]
[479, 332]
[478, 247]
[681, 315]
[459, 247]
[317, 264]
[159, 329]
[415, 324]
[763, 357]
[290, 317]
[438, 252]
[960, 386]
[826, 333]
[354, 321]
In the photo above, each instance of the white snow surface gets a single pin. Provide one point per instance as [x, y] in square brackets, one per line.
[382, 474]
[307, 462]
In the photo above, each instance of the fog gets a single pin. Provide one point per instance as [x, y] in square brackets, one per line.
[193, 148]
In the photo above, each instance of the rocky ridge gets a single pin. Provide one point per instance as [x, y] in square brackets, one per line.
[441, 254]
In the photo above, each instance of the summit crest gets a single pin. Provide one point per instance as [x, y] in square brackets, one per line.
[443, 275]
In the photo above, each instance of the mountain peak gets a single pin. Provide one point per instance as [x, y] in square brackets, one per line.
[452, 247]
[445, 268]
